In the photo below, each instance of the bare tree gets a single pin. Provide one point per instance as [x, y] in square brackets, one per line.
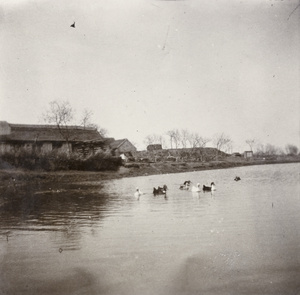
[177, 138]
[203, 141]
[260, 149]
[251, 143]
[184, 137]
[86, 118]
[271, 150]
[220, 141]
[160, 139]
[291, 149]
[85, 121]
[149, 139]
[194, 140]
[171, 134]
[228, 147]
[103, 132]
[61, 114]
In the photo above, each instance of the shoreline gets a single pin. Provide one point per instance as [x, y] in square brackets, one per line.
[7, 176]
[17, 183]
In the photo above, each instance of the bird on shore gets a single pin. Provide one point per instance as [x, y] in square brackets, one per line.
[237, 178]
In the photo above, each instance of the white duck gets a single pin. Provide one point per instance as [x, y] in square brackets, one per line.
[196, 188]
[138, 193]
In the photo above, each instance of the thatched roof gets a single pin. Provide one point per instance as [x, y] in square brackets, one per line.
[42, 133]
[117, 143]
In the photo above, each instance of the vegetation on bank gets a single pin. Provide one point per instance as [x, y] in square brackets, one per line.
[54, 161]
[162, 161]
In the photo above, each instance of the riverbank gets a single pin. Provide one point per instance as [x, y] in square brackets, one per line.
[18, 177]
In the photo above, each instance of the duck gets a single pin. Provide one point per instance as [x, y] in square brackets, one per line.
[160, 190]
[138, 193]
[209, 188]
[185, 185]
[196, 188]
[237, 178]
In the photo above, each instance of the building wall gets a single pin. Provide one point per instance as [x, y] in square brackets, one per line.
[4, 148]
[46, 147]
[64, 148]
[4, 128]
[248, 154]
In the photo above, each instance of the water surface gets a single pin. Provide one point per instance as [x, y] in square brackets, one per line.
[97, 238]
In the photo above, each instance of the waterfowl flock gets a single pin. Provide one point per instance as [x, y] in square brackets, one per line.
[187, 185]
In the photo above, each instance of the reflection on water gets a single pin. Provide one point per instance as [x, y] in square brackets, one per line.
[97, 238]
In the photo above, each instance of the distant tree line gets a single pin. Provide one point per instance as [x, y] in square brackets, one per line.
[176, 139]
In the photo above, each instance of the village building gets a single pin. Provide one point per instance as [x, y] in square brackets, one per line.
[47, 138]
[65, 139]
[248, 155]
[122, 148]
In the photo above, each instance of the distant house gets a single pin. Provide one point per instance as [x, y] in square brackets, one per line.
[121, 146]
[248, 154]
[47, 138]
[154, 147]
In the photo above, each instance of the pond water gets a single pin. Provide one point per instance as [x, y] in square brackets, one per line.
[97, 238]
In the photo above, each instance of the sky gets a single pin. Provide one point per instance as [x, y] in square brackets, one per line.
[149, 66]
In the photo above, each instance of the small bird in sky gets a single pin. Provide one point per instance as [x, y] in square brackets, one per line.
[73, 25]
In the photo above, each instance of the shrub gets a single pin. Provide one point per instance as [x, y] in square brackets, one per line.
[54, 161]
[102, 161]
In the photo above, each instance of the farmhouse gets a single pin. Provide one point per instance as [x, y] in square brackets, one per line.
[122, 146]
[47, 138]
[65, 139]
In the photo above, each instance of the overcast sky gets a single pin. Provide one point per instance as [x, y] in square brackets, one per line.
[149, 66]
